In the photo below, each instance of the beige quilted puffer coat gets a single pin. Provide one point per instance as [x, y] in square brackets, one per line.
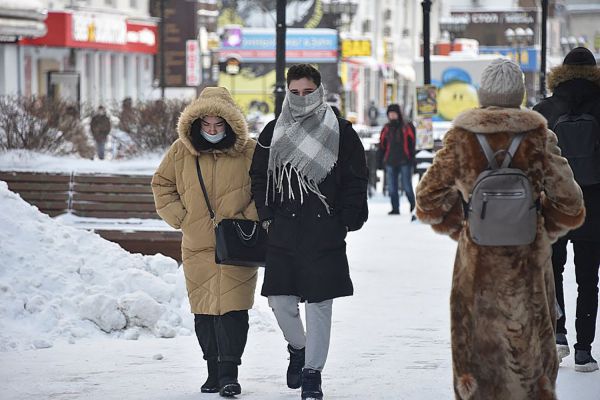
[212, 289]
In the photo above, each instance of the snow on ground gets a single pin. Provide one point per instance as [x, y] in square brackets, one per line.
[390, 341]
[25, 160]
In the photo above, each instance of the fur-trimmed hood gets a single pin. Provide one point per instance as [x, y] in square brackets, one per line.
[565, 73]
[215, 101]
[498, 119]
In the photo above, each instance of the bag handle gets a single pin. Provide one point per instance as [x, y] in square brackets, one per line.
[509, 153]
[210, 210]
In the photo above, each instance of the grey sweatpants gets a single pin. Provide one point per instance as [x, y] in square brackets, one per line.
[318, 327]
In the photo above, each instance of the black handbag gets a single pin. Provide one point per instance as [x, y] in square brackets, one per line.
[238, 242]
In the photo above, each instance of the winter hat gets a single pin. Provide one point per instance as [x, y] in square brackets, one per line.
[580, 56]
[501, 84]
[393, 107]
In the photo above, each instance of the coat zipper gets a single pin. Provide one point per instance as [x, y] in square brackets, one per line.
[212, 185]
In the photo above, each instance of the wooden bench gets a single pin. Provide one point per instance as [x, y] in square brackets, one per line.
[120, 208]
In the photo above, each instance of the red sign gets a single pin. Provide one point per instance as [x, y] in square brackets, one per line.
[97, 31]
[192, 63]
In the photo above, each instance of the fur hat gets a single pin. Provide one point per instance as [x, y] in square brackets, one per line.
[580, 56]
[501, 84]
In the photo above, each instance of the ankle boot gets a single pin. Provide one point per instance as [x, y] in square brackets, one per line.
[294, 371]
[228, 374]
[311, 384]
[212, 382]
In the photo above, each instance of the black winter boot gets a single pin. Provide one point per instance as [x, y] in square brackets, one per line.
[228, 374]
[212, 382]
[294, 371]
[311, 384]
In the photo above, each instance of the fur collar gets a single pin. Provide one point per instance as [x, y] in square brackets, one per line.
[497, 119]
[214, 101]
[565, 73]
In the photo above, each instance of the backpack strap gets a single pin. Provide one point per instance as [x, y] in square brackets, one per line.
[509, 153]
[487, 150]
[512, 149]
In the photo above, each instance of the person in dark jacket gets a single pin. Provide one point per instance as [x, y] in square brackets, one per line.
[576, 89]
[100, 127]
[397, 143]
[309, 182]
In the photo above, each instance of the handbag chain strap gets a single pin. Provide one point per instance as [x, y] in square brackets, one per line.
[210, 210]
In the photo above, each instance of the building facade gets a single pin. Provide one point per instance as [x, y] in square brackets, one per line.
[94, 52]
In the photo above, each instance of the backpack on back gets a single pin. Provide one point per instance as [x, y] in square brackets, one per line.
[579, 141]
[501, 210]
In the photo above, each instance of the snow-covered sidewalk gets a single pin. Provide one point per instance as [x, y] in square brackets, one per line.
[390, 340]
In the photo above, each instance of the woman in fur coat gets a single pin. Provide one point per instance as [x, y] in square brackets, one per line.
[502, 300]
[212, 132]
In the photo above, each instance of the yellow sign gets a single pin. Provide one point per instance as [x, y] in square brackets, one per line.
[356, 48]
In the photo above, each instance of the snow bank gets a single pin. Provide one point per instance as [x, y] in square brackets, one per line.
[26, 160]
[61, 283]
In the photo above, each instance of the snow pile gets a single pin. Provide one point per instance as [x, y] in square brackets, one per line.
[58, 282]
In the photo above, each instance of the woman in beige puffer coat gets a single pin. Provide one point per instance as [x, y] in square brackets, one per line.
[214, 130]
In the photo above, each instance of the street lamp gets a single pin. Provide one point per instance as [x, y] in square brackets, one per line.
[518, 37]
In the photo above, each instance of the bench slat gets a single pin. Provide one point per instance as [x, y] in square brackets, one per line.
[114, 179]
[56, 196]
[109, 188]
[13, 176]
[93, 206]
[49, 205]
[167, 243]
[116, 214]
[112, 198]
[35, 187]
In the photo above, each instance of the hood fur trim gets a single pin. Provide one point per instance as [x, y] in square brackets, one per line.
[565, 73]
[218, 102]
[497, 119]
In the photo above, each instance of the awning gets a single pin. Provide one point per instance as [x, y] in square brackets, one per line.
[22, 18]
[21, 27]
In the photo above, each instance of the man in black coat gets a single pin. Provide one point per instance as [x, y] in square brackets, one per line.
[309, 182]
[576, 91]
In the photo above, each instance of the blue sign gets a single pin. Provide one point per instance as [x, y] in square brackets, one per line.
[302, 45]
[528, 56]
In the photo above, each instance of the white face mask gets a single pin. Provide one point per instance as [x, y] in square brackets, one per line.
[213, 138]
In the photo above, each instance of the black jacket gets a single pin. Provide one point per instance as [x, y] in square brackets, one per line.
[574, 88]
[306, 256]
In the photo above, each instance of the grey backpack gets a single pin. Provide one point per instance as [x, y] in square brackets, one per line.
[501, 210]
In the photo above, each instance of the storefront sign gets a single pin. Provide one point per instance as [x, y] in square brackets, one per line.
[302, 45]
[488, 27]
[192, 63]
[97, 31]
[356, 48]
[527, 57]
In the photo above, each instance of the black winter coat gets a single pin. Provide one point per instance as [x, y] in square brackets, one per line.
[573, 88]
[306, 254]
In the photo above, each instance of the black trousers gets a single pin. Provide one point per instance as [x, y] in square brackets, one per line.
[222, 337]
[587, 261]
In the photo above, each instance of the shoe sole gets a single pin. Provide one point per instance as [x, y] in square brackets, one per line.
[563, 351]
[589, 367]
[230, 390]
[209, 390]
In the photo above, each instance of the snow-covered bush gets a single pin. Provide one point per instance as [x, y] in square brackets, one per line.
[42, 124]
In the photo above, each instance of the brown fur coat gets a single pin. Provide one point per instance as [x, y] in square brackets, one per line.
[502, 301]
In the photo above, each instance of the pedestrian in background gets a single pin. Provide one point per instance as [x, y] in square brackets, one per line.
[309, 181]
[573, 112]
[100, 126]
[373, 114]
[502, 300]
[397, 144]
[213, 133]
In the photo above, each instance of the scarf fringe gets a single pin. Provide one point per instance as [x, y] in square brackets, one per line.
[280, 176]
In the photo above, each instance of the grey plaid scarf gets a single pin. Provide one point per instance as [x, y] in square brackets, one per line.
[306, 143]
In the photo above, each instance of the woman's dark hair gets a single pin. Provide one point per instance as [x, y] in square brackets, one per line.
[299, 71]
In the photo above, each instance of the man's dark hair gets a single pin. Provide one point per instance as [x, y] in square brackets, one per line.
[299, 71]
